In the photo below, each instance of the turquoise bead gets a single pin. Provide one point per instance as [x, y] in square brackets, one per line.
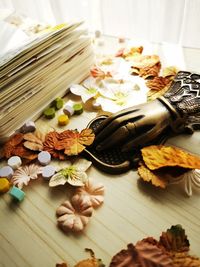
[17, 193]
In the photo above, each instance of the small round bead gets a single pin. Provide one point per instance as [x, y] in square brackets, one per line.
[48, 172]
[17, 193]
[4, 185]
[78, 108]
[63, 120]
[29, 126]
[58, 103]
[49, 113]
[44, 158]
[68, 110]
[14, 162]
[7, 172]
[97, 33]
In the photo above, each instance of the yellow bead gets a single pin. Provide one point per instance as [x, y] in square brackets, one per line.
[4, 185]
[63, 120]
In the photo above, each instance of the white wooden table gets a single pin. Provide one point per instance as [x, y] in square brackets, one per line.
[132, 210]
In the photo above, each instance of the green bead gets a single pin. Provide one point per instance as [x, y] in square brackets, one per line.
[78, 108]
[17, 193]
[58, 103]
[49, 113]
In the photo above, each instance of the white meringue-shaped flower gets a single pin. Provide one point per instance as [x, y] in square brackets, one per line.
[191, 180]
[87, 90]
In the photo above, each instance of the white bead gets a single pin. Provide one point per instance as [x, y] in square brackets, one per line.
[29, 126]
[68, 110]
[6, 171]
[14, 162]
[48, 172]
[44, 158]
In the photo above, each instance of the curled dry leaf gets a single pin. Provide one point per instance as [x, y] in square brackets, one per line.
[11, 144]
[74, 215]
[145, 61]
[175, 239]
[95, 192]
[14, 147]
[149, 176]
[181, 259]
[24, 174]
[156, 157]
[158, 83]
[51, 140]
[143, 254]
[153, 94]
[34, 141]
[73, 142]
[148, 72]
[169, 71]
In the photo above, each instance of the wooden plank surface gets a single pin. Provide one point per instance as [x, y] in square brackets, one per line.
[132, 210]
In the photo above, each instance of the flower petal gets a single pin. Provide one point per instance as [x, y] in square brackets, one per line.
[57, 179]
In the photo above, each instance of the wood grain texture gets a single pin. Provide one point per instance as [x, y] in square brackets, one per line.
[132, 210]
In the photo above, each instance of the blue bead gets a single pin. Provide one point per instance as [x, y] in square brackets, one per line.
[17, 193]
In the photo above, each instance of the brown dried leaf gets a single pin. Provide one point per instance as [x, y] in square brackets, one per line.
[158, 83]
[61, 264]
[156, 157]
[143, 254]
[74, 142]
[24, 153]
[51, 141]
[182, 259]
[11, 144]
[169, 71]
[150, 176]
[151, 71]
[175, 239]
[153, 94]
[146, 61]
[34, 141]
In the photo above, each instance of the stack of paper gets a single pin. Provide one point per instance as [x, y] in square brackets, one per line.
[43, 69]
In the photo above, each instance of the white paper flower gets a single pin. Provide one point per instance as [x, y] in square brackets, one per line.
[117, 95]
[87, 90]
[74, 174]
[191, 179]
[24, 174]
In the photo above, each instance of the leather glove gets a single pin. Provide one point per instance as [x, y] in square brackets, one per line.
[178, 109]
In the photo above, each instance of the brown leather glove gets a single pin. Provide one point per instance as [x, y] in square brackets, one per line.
[178, 109]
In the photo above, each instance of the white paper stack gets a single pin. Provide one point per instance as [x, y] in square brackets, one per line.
[35, 74]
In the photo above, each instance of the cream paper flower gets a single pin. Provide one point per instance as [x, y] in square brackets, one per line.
[74, 174]
[191, 180]
[87, 90]
[118, 95]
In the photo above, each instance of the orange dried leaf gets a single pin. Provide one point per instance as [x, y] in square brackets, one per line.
[169, 71]
[153, 94]
[156, 157]
[184, 260]
[158, 83]
[24, 153]
[96, 72]
[10, 145]
[143, 254]
[50, 143]
[73, 142]
[175, 239]
[34, 141]
[151, 71]
[146, 61]
[149, 176]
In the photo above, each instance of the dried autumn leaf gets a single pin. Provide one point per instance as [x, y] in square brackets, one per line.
[151, 71]
[73, 142]
[169, 71]
[156, 157]
[181, 259]
[149, 176]
[51, 141]
[11, 144]
[143, 254]
[145, 61]
[96, 72]
[175, 239]
[158, 83]
[24, 153]
[93, 262]
[61, 264]
[34, 141]
[153, 94]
